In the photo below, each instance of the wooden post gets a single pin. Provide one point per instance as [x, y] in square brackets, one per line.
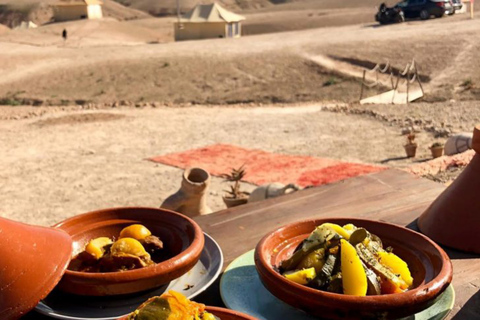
[363, 83]
[408, 83]
[471, 8]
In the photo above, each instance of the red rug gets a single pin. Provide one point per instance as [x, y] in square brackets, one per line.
[265, 167]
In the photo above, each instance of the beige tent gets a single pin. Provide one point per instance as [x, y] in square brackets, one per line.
[208, 21]
[26, 25]
[78, 9]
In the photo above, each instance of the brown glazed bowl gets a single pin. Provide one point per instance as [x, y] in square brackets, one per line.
[428, 263]
[181, 236]
[222, 313]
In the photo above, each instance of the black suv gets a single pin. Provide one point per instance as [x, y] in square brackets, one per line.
[422, 8]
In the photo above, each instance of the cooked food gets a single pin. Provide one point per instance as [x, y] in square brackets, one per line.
[347, 260]
[170, 306]
[134, 249]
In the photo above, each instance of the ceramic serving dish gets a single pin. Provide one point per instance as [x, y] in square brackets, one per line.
[182, 237]
[222, 313]
[428, 263]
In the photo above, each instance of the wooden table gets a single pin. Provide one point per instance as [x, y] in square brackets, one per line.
[392, 196]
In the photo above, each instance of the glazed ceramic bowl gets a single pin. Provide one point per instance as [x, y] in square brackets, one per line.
[182, 237]
[428, 263]
[222, 313]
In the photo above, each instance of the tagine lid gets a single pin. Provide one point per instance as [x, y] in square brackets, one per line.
[453, 219]
[33, 260]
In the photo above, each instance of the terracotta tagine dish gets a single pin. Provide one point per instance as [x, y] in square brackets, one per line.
[429, 266]
[181, 239]
[33, 262]
[174, 305]
[453, 219]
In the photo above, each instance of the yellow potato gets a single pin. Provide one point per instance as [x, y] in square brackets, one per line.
[135, 231]
[396, 265]
[354, 278]
[338, 229]
[129, 246]
[303, 276]
[96, 246]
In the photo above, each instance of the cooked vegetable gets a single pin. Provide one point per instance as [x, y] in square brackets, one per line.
[128, 246]
[135, 231]
[347, 260]
[396, 265]
[315, 259]
[171, 306]
[303, 276]
[353, 275]
[338, 229]
[315, 241]
[135, 248]
[391, 283]
[96, 247]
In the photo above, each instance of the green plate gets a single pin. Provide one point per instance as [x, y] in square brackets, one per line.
[242, 290]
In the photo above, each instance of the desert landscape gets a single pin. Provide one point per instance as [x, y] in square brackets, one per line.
[79, 117]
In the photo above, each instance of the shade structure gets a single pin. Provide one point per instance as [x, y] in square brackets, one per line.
[33, 260]
[453, 219]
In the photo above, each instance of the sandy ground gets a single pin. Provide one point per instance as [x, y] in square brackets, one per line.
[68, 162]
[107, 61]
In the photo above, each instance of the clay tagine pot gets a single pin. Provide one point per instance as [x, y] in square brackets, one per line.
[453, 219]
[182, 238]
[222, 313]
[429, 264]
[33, 262]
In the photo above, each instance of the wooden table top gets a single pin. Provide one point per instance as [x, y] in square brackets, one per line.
[392, 196]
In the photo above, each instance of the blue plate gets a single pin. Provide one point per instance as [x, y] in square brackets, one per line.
[242, 290]
[65, 306]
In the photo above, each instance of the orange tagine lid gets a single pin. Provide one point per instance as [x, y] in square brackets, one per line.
[33, 262]
[453, 219]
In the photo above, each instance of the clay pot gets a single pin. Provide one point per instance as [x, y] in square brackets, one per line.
[222, 313]
[436, 152]
[411, 150]
[191, 198]
[429, 264]
[33, 261]
[271, 190]
[182, 238]
[453, 219]
[234, 202]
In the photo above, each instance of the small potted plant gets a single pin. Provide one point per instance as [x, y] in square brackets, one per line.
[235, 197]
[437, 149]
[411, 146]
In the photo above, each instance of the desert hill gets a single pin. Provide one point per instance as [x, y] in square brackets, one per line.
[12, 12]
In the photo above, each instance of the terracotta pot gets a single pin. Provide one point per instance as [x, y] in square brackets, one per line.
[222, 313]
[191, 198]
[234, 202]
[453, 219]
[33, 260]
[436, 152]
[411, 150]
[182, 237]
[428, 263]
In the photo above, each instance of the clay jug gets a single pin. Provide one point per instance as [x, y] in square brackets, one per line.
[271, 190]
[453, 219]
[33, 260]
[191, 198]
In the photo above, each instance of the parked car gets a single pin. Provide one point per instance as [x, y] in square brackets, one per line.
[457, 4]
[424, 9]
[387, 15]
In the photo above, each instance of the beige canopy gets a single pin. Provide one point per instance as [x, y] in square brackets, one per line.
[210, 13]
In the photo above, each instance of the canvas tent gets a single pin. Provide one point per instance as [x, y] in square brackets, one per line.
[26, 25]
[208, 21]
[78, 9]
